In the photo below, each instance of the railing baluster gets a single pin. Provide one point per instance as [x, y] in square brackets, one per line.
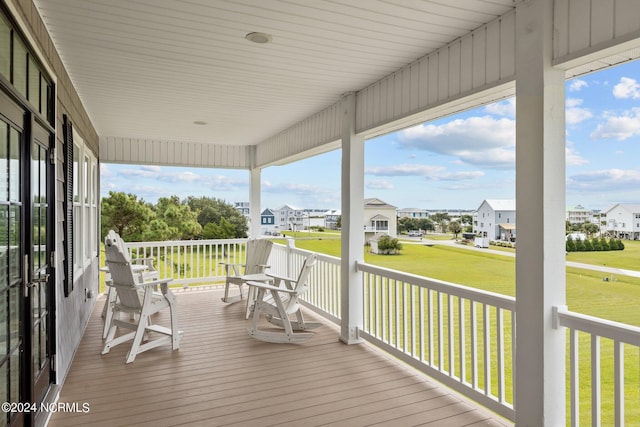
[474, 344]
[487, 349]
[397, 313]
[618, 366]
[595, 380]
[451, 342]
[440, 333]
[405, 320]
[423, 353]
[500, 354]
[574, 376]
[413, 338]
[462, 340]
[430, 295]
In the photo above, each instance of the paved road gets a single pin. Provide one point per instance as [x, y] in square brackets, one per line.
[608, 270]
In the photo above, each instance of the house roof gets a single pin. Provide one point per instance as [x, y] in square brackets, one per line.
[267, 212]
[288, 207]
[629, 207]
[501, 204]
[378, 218]
[411, 210]
[507, 226]
[377, 204]
[333, 212]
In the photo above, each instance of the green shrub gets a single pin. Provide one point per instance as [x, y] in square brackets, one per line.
[389, 245]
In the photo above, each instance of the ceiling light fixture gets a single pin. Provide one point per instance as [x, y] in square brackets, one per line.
[260, 38]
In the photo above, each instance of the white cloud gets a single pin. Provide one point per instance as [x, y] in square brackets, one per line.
[605, 180]
[573, 158]
[481, 141]
[379, 184]
[619, 127]
[430, 173]
[575, 114]
[627, 88]
[294, 188]
[577, 84]
[224, 183]
[502, 108]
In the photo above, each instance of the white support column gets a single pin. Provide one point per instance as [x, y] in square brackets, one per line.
[540, 204]
[352, 248]
[254, 202]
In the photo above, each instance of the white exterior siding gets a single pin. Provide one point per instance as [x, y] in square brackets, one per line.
[491, 214]
[623, 221]
[379, 217]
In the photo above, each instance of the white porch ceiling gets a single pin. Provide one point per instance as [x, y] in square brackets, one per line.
[149, 69]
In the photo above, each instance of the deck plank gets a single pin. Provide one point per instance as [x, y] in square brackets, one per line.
[222, 377]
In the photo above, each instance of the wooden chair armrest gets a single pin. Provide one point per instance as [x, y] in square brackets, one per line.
[270, 287]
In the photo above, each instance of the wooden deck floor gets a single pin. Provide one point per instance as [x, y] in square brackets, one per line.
[221, 376]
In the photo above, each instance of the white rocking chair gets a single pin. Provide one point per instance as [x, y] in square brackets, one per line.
[138, 300]
[278, 302]
[145, 270]
[257, 254]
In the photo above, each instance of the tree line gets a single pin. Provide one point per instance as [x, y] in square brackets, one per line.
[170, 218]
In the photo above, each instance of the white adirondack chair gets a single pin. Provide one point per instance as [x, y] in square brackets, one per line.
[145, 270]
[279, 302]
[139, 301]
[257, 255]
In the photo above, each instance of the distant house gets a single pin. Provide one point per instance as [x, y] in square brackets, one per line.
[579, 215]
[291, 218]
[622, 221]
[412, 213]
[379, 217]
[267, 221]
[243, 208]
[496, 219]
[331, 219]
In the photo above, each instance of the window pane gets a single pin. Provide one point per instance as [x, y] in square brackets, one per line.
[14, 389]
[76, 173]
[14, 165]
[4, 162]
[44, 97]
[14, 316]
[34, 84]
[4, 323]
[85, 172]
[5, 49]
[19, 66]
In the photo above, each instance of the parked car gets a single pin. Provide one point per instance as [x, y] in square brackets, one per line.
[415, 233]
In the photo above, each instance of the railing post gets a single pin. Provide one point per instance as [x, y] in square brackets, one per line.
[291, 244]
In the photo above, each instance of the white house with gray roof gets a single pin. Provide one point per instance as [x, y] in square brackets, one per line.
[496, 219]
[623, 220]
[380, 218]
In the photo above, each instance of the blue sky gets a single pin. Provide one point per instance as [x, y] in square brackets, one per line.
[455, 162]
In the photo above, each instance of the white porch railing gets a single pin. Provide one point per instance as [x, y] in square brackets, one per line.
[604, 344]
[460, 336]
[191, 261]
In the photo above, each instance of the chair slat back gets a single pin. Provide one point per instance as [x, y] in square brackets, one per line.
[258, 251]
[122, 275]
[302, 284]
[117, 240]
